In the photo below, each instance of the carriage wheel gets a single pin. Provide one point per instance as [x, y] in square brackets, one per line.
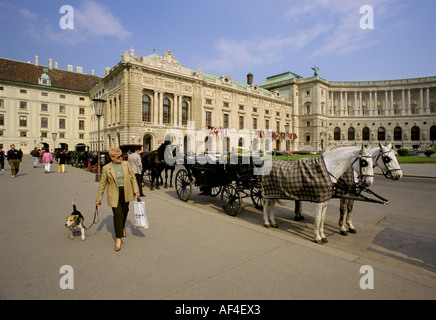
[256, 196]
[231, 200]
[215, 191]
[183, 185]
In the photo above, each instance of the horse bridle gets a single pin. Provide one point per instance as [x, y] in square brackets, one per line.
[363, 163]
[386, 159]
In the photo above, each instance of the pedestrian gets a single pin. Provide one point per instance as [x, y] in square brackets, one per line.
[35, 156]
[61, 161]
[47, 160]
[122, 187]
[14, 158]
[136, 164]
[2, 158]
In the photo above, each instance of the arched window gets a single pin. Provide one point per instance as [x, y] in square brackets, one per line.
[146, 108]
[381, 133]
[337, 134]
[415, 133]
[433, 133]
[185, 110]
[398, 134]
[166, 111]
[351, 133]
[365, 133]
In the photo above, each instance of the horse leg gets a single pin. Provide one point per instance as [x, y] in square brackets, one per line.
[320, 211]
[298, 215]
[351, 228]
[268, 213]
[342, 215]
[171, 175]
[166, 178]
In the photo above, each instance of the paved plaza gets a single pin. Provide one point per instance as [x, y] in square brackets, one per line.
[193, 250]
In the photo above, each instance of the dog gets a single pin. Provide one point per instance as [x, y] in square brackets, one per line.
[75, 220]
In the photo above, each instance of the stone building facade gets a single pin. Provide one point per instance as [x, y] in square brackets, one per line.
[153, 98]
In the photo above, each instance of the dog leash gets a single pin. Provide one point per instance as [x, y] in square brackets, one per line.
[96, 218]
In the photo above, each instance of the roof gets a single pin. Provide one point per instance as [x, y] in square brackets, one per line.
[28, 73]
[281, 77]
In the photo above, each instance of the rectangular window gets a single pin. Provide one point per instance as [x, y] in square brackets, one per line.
[241, 122]
[81, 124]
[23, 121]
[44, 107]
[81, 110]
[208, 119]
[208, 101]
[266, 124]
[44, 122]
[226, 120]
[254, 123]
[61, 123]
[23, 105]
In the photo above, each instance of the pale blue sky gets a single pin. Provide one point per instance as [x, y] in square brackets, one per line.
[264, 37]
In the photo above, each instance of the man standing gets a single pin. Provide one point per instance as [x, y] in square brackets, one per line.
[14, 157]
[136, 164]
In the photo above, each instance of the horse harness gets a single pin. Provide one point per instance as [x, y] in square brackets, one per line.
[386, 159]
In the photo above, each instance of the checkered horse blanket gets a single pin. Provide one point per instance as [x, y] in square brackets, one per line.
[304, 179]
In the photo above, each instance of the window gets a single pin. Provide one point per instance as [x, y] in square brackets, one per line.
[241, 107]
[2, 103]
[62, 96]
[337, 133]
[166, 111]
[433, 133]
[398, 133]
[23, 91]
[23, 134]
[351, 133]
[278, 126]
[61, 109]
[81, 136]
[267, 124]
[146, 108]
[226, 105]
[415, 133]
[365, 133]
[226, 120]
[23, 105]
[184, 113]
[61, 123]
[81, 124]
[381, 133]
[44, 94]
[208, 119]
[44, 122]
[241, 122]
[2, 119]
[208, 101]
[254, 123]
[44, 107]
[81, 110]
[23, 121]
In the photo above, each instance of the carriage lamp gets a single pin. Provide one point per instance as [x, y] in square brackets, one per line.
[54, 135]
[98, 109]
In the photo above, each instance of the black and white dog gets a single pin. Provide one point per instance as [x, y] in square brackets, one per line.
[75, 220]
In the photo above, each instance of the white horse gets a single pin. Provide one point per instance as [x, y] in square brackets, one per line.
[336, 161]
[383, 157]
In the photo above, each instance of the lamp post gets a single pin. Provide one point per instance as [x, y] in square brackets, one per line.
[98, 109]
[287, 138]
[54, 135]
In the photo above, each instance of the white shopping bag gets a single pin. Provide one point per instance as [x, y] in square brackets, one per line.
[140, 215]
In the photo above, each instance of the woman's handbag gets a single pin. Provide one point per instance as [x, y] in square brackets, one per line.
[140, 215]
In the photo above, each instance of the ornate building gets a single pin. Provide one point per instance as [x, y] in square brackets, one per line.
[153, 98]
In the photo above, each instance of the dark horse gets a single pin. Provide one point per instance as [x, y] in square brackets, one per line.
[155, 163]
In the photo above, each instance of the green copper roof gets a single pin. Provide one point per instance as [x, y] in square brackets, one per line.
[281, 77]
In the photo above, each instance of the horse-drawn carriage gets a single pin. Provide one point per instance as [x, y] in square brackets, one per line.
[230, 176]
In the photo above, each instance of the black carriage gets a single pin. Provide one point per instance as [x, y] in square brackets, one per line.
[231, 177]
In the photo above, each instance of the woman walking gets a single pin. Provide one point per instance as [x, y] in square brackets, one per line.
[120, 181]
[47, 159]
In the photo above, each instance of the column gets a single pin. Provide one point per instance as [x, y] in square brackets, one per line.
[427, 100]
[391, 107]
[156, 108]
[355, 107]
[403, 106]
[375, 104]
[409, 111]
[360, 103]
[341, 111]
[346, 104]
[332, 104]
[386, 111]
[370, 104]
[160, 112]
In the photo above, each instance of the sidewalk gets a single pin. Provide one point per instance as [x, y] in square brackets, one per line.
[187, 253]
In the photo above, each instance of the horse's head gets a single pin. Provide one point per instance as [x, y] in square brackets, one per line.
[363, 165]
[387, 161]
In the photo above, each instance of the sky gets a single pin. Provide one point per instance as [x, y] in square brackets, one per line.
[348, 40]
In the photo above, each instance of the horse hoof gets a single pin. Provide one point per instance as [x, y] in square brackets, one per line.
[274, 225]
[344, 233]
[324, 240]
[171, 185]
[319, 241]
[166, 186]
[352, 231]
[267, 225]
[299, 218]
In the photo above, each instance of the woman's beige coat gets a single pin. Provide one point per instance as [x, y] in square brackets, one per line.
[109, 179]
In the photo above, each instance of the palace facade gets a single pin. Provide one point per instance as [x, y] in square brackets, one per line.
[153, 98]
